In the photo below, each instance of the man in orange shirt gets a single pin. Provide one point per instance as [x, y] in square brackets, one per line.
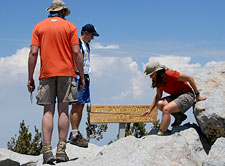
[57, 40]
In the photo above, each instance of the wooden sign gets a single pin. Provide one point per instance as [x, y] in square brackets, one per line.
[121, 114]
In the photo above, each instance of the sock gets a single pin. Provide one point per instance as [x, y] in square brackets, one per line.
[75, 132]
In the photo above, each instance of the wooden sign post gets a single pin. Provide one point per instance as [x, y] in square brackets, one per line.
[121, 114]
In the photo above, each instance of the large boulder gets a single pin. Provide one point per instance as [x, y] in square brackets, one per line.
[180, 148]
[210, 114]
[216, 155]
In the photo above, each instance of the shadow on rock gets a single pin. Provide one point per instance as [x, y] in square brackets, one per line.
[73, 159]
[9, 162]
[205, 143]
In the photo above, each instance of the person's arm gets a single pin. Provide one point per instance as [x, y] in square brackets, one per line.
[157, 97]
[185, 77]
[78, 62]
[32, 60]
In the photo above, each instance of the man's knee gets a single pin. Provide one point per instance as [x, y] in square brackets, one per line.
[49, 109]
[77, 108]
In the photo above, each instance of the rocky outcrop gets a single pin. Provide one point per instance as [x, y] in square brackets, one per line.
[182, 147]
[210, 114]
[217, 154]
[9, 158]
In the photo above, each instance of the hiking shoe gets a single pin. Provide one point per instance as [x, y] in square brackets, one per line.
[61, 155]
[48, 157]
[78, 140]
[160, 133]
[179, 118]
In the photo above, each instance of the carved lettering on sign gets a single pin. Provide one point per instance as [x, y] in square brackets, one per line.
[121, 114]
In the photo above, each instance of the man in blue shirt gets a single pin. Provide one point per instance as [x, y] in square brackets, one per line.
[87, 34]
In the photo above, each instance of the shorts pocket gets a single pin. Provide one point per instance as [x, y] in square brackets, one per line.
[39, 92]
[73, 90]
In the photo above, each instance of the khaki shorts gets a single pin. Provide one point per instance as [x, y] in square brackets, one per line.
[183, 101]
[62, 87]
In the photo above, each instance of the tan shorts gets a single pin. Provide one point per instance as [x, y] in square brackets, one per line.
[62, 87]
[183, 101]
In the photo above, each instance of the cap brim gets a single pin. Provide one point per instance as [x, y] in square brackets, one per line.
[160, 68]
[148, 74]
[95, 33]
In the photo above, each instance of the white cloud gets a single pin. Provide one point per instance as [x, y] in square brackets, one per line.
[108, 47]
[15, 65]
[215, 64]
[119, 76]
[14, 68]
[99, 65]
[137, 80]
[180, 63]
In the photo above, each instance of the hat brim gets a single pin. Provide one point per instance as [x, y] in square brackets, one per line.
[67, 12]
[58, 9]
[148, 74]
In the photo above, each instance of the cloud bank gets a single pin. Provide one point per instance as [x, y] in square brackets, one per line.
[14, 68]
[113, 78]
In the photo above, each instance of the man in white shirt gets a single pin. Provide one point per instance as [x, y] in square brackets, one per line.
[87, 34]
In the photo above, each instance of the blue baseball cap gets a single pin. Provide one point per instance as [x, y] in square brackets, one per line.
[90, 28]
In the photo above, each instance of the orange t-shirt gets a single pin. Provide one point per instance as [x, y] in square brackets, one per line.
[55, 37]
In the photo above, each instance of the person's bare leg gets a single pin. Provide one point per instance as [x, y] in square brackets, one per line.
[161, 104]
[166, 122]
[63, 121]
[166, 111]
[47, 123]
[63, 127]
[76, 115]
[47, 128]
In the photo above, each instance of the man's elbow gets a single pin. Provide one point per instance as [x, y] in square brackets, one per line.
[33, 54]
[33, 51]
[76, 53]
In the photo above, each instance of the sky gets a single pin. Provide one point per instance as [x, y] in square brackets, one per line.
[186, 36]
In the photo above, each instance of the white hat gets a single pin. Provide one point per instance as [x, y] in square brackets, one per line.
[153, 67]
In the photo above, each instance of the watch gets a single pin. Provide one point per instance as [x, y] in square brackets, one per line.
[197, 93]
